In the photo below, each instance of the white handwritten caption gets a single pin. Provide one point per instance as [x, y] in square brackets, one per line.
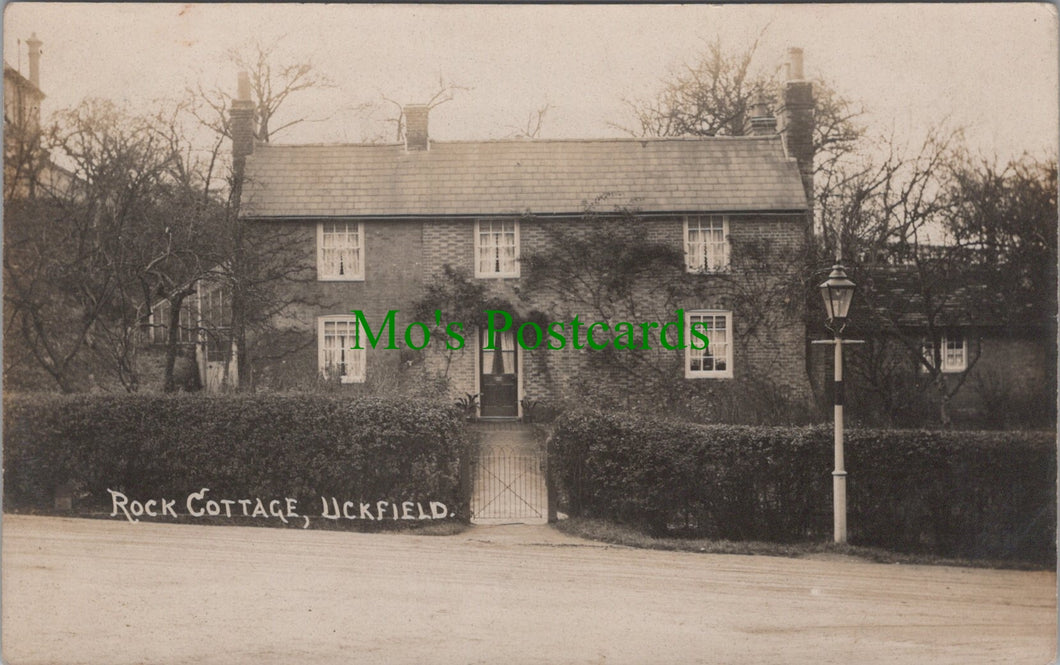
[286, 510]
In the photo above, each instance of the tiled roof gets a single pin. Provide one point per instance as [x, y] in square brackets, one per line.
[964, 298]
[519, 176]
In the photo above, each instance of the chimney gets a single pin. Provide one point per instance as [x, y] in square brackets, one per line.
[242, 120]
[760, 120]
[796, 119]
[34, 45]
[416, 137]
[241, 125]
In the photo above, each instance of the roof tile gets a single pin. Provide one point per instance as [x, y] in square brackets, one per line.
[499, 177]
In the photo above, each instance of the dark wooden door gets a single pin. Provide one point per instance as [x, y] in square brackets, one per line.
[499, 377]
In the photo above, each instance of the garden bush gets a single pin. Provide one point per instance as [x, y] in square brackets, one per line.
[238, 446]
[964, 494]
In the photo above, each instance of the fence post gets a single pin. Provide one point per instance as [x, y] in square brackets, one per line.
[468, 451]
[550, 482]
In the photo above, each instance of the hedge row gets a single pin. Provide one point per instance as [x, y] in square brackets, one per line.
[965, 494]
[275, 446]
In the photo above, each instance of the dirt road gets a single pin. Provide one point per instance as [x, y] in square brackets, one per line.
[110, 592]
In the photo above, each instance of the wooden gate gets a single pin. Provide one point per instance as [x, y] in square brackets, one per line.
[509, 485]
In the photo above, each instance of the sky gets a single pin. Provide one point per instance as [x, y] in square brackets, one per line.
[991, 68]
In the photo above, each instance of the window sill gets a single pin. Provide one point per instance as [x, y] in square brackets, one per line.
[343, 278]
[703, 271]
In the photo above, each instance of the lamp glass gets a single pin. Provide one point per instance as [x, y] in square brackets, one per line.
[837, 301]
[837, 292]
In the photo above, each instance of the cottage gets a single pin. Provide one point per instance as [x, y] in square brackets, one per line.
[376, 224]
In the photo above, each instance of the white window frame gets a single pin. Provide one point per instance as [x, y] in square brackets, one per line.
[359, 356]
[479, 248]
[323, 274]
[690, 348]
[188, 329]
[215, 320]
[950, 365]
[696, 254]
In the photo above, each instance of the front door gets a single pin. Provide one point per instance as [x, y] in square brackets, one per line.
[499, 378]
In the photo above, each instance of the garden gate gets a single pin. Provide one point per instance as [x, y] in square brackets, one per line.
[508, 476]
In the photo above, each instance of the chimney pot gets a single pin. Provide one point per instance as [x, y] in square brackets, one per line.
[243, 87]
[759, 108]
[760, 120]
[416, 136]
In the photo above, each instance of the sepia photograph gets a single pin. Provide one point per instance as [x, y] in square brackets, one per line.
[529, 333]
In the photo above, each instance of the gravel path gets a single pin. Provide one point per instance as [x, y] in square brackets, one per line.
[110, 592]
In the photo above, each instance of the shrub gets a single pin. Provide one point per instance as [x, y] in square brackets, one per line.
[751, 399]
[239, 446]
[966, 494]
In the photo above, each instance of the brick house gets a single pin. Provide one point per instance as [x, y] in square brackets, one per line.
[376, 224]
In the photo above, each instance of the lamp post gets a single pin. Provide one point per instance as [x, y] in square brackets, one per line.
[837, 291]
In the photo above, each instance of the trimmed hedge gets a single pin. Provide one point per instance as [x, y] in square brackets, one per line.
[957, 494]
[238, 446]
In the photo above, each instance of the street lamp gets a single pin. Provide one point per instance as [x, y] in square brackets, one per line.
[837, 291]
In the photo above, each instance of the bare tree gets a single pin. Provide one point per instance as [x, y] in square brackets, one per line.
[713, 95]
[710, 96]
[83, 264]
[272, 83]
[1006, 212]
[535, 120]
[445, 92]
[909, 220]
[258, 260]
[24, 159]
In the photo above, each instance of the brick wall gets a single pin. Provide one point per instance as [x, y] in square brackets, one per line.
[1010, 368]
[393, 280]
[775, 349]
[1009, 385]
[402, 256]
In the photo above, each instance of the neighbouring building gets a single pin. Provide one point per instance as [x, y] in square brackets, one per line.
[996, 351]
[28, 171]
[206, 350]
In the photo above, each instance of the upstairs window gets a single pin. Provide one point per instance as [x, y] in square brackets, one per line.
[706, 243]
[497, 248]
[340, 251]
[954, 354]
[713, 360]
[336, 337]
